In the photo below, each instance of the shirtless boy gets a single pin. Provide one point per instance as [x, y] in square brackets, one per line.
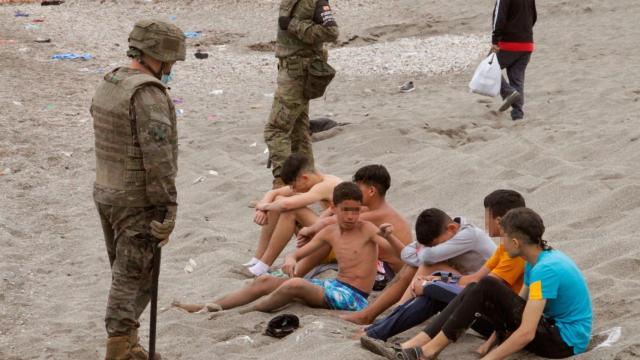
[355, 243]
[280, 209]
[374, 181]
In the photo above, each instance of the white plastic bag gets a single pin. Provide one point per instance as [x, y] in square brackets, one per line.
[486, 79]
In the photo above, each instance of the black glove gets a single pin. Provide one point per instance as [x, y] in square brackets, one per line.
[323, 14]
[283, 22]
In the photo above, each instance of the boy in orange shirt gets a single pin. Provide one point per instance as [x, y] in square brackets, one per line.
[433, 293]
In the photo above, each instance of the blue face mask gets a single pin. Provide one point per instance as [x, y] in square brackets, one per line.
[166, 78]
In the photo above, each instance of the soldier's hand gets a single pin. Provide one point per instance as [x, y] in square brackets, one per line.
[283, 22]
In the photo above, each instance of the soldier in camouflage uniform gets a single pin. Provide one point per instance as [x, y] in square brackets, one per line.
[303, 27]
[136, 164]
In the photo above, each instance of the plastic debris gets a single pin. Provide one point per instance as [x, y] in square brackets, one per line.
[67, 153]
[173, 18]
[177, 100]
[192, 34]
[198, 180]
[216, 92]
[42, 40]
[37, 20]
[179, 112]
[254, 144]
[270, 95]
[71, 56]
[213, 172]
[240, 340]
[50, 107]
[212, 117]
[201, 55]
[191, 265]
[32, 27]
[6, 171]
[7, 41]
[21, 14]
[613, 335]
[17, 103]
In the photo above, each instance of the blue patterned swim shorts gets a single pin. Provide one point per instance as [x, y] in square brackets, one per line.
[341, 296]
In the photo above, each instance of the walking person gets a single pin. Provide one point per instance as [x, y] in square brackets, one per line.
[512, 41]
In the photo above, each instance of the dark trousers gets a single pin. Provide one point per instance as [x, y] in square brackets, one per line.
[415, 311]
[516, 63]
[493, 301]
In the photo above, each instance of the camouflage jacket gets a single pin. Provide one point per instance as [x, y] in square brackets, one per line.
[305, 35]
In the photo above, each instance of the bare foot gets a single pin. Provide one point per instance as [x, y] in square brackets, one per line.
[484, 349]
[357, 318]
[190, 308]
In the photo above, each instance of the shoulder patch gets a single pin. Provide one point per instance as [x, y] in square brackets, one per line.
[159, 132]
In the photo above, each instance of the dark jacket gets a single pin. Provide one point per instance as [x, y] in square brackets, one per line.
[513, 21]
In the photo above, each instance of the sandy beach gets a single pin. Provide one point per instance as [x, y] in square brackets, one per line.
[575, 158]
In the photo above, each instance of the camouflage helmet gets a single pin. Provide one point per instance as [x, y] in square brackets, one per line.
[162, 41]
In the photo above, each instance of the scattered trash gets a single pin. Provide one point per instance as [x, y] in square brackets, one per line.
[191, 265]
[268, 95]
[17, 103]
[266, 151]
[212, 117]
[173, 18]
[179, 112]
[254, 144]
[368, 91]
[51, 2]
[240, 340]
[67, 153]
[32, 27]
[192, 34]
[6, 171]
[407, 87]
[198, 180]
[50, 107]
[37, 20]
[177, 100]
[201, 55]
[216, 92]
[71, 56]
[613, 335]
[21, 14]
[213, 172]
[23, 49]
[42, 40]
[278, 273]
[7, 41]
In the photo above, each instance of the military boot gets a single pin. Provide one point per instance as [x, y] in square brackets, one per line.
[137, 351]
[278, 183]
[118, 348]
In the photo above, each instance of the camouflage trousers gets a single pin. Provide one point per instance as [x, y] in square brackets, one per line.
[287, 130]
[126, 234]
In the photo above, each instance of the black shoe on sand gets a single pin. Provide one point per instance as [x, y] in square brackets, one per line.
[407, 87]
[509, 100]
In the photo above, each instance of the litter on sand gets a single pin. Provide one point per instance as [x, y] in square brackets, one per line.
[42, 40]
[216, 92]
[21, 14]
[198, 180]
[17, 103]
[6, 171]
[179, 112]
[32, 27]
[51, 2]
[201, 55]
[213, 172]
[192, 34]
[254, 144]
[71, 56]
[191, 265]
[613, 335]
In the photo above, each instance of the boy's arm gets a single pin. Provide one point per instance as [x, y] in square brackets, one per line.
[386, 232]
[459, 244]
[271, 195]
[296, 201]
[524, 334]
[524, 292]
[312, 246]
[475, 277]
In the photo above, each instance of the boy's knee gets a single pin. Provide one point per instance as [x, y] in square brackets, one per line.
[489, 283]
[293, 285]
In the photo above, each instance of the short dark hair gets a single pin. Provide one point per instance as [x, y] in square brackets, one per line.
[346, 191]
[526, 224]
[430, 224]
[501, 201]
[374, 175]
[293, 166]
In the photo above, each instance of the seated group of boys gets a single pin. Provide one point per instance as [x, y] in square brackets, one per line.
[519, 295]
